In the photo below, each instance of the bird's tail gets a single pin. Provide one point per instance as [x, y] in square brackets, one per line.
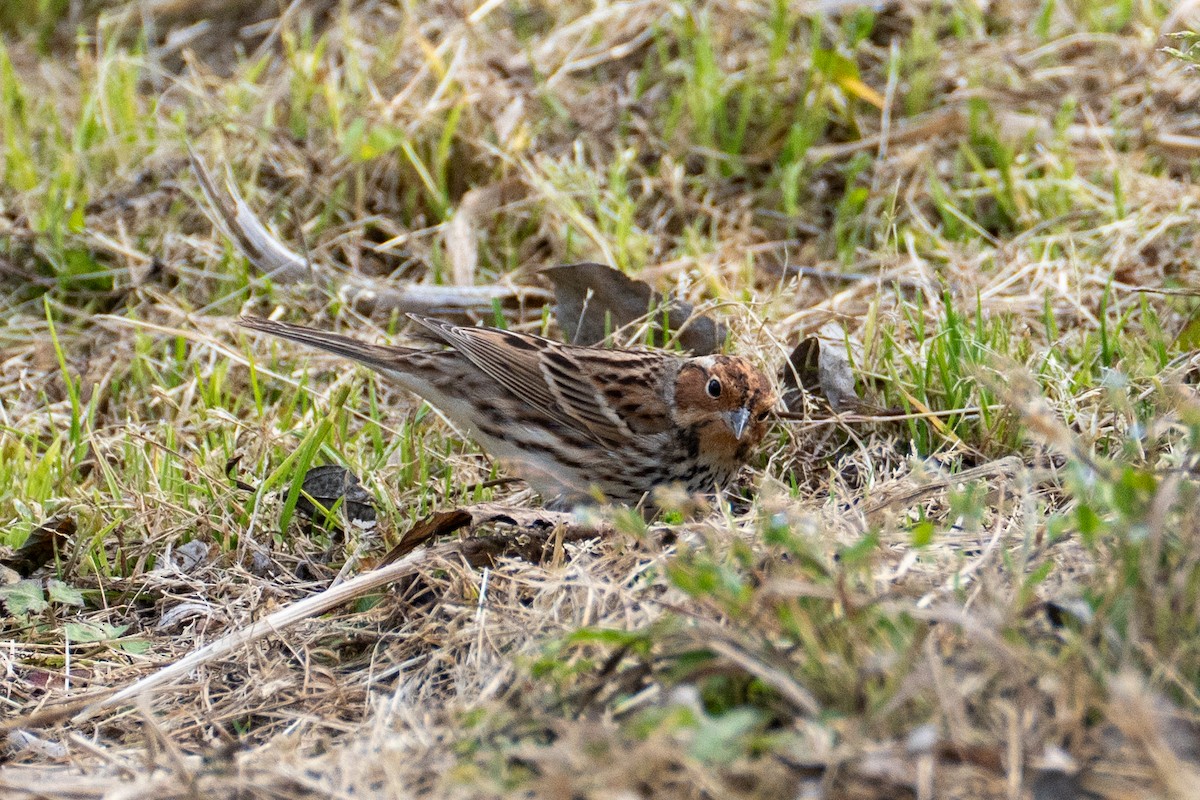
[380, 357]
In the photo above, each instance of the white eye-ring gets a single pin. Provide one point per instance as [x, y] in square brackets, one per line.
[713, 388]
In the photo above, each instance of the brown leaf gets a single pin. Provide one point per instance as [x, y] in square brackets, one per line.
[532, 521]
[593, 300]
[439, 523]
[819, 368]
[329, 483]
[40, 548]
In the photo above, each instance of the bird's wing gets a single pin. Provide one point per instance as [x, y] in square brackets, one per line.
[625, 388]
[582, 388]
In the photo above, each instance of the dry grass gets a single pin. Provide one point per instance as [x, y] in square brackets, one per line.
[992, 208]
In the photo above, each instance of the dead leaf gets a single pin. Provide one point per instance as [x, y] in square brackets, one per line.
[819, 368]
[327, 485]
[41, 546]
[529, 520]
[593, 300]
[439, 523]
[189, 556]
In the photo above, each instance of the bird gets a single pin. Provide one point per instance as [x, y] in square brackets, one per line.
[577, 423]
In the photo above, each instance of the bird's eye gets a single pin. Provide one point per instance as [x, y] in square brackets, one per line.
[713, 388]
[762, 415]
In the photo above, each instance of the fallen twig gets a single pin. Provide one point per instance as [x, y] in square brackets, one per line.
[270, 256]
[540, 528]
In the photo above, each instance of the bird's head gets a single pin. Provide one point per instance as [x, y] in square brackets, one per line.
[726, 399]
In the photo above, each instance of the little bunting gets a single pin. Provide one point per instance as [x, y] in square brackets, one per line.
[576, 422]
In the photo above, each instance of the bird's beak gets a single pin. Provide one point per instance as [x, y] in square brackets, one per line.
[737, 421]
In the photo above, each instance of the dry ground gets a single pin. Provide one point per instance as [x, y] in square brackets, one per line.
[991, 206]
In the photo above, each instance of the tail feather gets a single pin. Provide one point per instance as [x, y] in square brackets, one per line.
[373, 355]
